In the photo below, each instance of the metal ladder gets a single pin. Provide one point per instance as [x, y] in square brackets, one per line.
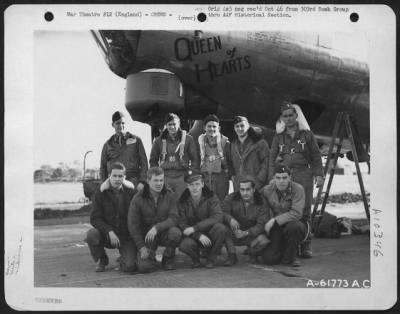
[344, 123]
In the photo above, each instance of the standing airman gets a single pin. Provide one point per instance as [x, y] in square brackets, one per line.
[295, 146]
[213, 147]
[248, 154]
[127, 149]
[175, 151]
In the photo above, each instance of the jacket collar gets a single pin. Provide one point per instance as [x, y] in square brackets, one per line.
[205, 138]
[106, 185]
[287, 191]
[207, 193]
[146, 191]
[257, 197]
[126, 135]
[252, 135]
[165, 134]
[281, 128]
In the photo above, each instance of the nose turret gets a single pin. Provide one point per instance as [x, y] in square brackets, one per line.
[118, 48]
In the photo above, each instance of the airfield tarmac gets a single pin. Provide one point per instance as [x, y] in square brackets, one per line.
[62, 259]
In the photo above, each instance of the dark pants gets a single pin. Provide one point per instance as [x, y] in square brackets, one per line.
[304, 177]
[191, 247]
[284, 242]
[218, 183]
[255, 244]
[170, 239]
[127, 250]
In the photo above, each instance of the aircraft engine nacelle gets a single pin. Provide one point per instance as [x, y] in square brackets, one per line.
[150, 95]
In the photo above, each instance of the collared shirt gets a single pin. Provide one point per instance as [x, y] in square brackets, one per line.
[173, 138]
[248, 204]
[243, 145]
[241, 139]
[119, 138]
[197, 202]
[119, 193]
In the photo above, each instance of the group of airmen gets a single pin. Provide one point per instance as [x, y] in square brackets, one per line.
[182, 200]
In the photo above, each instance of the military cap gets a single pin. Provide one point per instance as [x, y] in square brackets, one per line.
[193, 175]
[281, 169]
[287, 106]
[247, 179]
[117, 115]
[171, 116]
[211, 117]
[238, 119]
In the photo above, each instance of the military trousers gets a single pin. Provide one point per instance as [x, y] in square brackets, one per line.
[305, 177]
[97, 243]
[216, 234]
[284, 241]
[255, 244]
[218, 183]
[169, 238]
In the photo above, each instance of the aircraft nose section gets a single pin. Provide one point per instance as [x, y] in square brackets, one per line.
[119, 49]
[151, 95]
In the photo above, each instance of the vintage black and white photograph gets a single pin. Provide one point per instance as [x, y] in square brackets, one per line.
[235, 159]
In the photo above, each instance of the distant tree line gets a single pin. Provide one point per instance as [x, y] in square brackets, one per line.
[63, 173]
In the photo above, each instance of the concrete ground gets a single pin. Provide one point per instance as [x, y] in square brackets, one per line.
[62, 259]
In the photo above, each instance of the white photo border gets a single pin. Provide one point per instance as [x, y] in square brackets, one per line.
[378, 22]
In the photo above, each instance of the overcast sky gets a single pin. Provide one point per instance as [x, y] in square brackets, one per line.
[75, 95]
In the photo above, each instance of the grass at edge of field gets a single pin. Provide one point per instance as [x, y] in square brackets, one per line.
[61, 221]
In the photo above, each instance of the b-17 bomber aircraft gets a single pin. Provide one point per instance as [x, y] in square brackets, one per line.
[250, 73]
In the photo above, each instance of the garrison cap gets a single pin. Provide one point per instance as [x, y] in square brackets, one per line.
[287, 106]
[251, 179]
[193, 175]
[281, 169]
[211, 117]
[171, 116]
[117, 115]
[238, 119]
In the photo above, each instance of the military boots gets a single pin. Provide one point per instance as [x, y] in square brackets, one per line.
[305, 249]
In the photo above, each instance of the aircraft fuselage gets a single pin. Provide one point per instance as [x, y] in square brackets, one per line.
[251, 73]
